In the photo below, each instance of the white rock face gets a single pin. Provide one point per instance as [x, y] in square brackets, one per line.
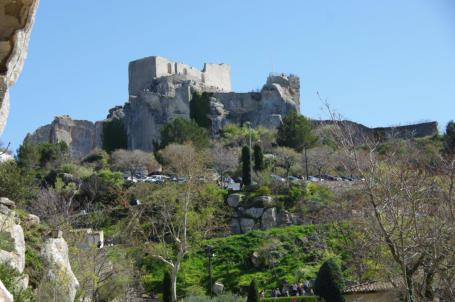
[59, 273]
[5, 295]
[11, 232]
[5, 157]
[16, 22]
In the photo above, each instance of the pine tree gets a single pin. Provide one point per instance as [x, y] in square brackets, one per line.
[258, 158]
[246, 172]
[253, 294]
[329, 282]
[167, 290]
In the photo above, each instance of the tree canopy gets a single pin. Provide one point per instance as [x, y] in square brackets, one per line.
[181, 130]
[329, 282]
[295, 132]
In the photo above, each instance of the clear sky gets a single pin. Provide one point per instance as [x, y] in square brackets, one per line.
[379, 63]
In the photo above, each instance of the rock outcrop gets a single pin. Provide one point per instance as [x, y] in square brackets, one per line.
[16, 22]
[155, 100]
[258, 213]
[58, 275]
[81, 136]
[5, 295]
[12, 250]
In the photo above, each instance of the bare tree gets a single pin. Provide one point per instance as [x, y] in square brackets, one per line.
[408, 213]
[177, 216]
[286, 158]
[224, 159]
[133, 161]
[321, 159]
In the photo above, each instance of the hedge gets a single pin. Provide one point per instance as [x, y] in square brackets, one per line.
[291, 299]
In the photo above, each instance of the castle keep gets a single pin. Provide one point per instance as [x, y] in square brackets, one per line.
[142, 72]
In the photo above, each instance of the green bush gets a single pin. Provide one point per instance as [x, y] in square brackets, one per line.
[9, 277]
[258, 158]
[246, 170]
[291, 299]
[329, 282]
[181, 130]
[114, 136]
[200, 109]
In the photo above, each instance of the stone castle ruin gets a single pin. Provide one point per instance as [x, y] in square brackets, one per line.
[160, 90]
[142, 72]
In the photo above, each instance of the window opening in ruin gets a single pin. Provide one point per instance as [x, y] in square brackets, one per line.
[169, 68]
[203, 78]
[185, 72]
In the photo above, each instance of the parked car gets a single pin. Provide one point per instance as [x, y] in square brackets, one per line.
[292, 178]
[278, 178]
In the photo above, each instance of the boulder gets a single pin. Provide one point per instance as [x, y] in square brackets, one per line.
[30, 219]
[58, 273]
[264, 201]
[246, 224]
[5, 295]
[13, 252]
[8, 203]
[256, 260]
[284, 219]
[235, 227]
[217, 288]
[253, 212]
[268, 219]
[234, 200]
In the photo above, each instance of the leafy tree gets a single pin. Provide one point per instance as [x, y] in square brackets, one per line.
[286, 158]
[181, 130]
[200, 109]
[246, 171]
[224, 159]
[14, 184]
[44, 155]
[295, 133]
[114, 136]
[258, 158]
[167, 286]
[28, 156]
[449, 138]
[329, 282]
[253, 294]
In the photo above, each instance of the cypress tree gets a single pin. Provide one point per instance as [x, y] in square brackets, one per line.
[246, 173]
[258, 158]
[329, 282]
[167, 287]
[253, 294]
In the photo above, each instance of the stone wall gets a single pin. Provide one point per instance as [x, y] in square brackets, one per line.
[16, 22]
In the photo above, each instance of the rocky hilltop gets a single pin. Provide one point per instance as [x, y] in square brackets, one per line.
[160, 90]
[157, 96]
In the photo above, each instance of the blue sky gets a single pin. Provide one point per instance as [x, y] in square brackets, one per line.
[379, 63]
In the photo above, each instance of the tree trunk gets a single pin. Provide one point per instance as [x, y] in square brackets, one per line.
[409, 288]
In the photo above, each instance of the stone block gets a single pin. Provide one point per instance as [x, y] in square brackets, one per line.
[268, 219]
[234, 200]
[254, 212]
[246, 224]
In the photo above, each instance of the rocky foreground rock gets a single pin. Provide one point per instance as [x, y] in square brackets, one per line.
[16, 22]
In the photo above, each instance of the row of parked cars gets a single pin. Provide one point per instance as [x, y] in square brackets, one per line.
[317, 178]
[154, 178]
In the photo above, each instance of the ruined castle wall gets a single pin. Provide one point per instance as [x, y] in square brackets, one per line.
[140, 74]
[218, 75]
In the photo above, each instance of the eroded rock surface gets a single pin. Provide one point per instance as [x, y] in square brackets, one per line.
[58, 274]
[5, 295]
[12, 250]
[16, 22]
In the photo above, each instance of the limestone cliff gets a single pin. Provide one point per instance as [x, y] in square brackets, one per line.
[16, 22]
[81, 136]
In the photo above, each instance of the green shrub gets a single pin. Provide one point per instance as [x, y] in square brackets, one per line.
[9, 277]
[258, 158]
[200, 109]
[246, 171]
[291, 299]
[181, 130]
[114, 136]
[329, 282]
[262, 191]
